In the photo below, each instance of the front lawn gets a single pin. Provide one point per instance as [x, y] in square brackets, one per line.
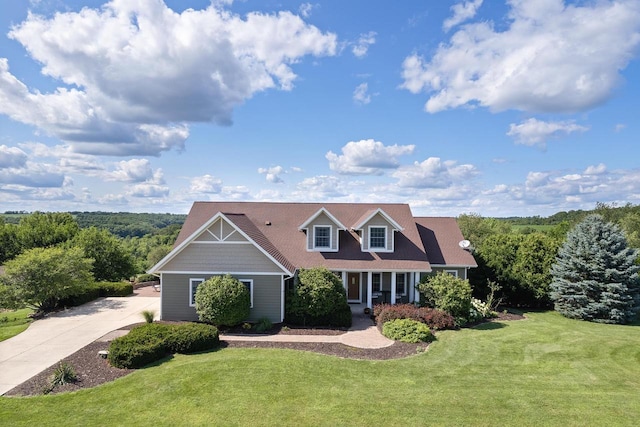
[546, 370]
[13, 322]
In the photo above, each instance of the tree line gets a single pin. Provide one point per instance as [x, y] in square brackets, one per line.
[520, 261]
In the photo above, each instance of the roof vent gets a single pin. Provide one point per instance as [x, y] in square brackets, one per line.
[267, 223]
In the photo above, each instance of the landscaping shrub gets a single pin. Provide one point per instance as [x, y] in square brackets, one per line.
[152, 341]
[142, 345]
[437, 320]
[148, 315]
[434, 318]
[223, 301]
[407, 330]
[263, 325]
[449, 293]
[192, 337]
[318, 299]
[114, 289]
[146, 278]
[84, 295]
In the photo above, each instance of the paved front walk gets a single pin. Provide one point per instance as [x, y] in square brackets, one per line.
[362, 334]
[59, 335]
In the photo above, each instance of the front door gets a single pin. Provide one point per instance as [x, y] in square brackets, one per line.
[353, 288]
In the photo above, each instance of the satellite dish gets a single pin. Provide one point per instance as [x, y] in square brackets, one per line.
[464, 244]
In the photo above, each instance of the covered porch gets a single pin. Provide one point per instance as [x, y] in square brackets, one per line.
[369, 288]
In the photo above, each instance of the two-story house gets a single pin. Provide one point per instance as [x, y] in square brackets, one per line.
[381, 251]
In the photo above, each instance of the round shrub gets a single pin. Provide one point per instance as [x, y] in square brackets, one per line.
[192, 337]
[407, 330]
[319, 298]
[449, 293]
[223, 301]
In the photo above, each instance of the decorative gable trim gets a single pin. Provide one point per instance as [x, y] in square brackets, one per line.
[321, 211]
[205, 229]
[387, 218]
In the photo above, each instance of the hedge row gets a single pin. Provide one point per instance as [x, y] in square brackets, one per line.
[432, 317]
[97, 290]
[152, 341]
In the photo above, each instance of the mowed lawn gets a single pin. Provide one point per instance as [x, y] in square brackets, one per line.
[545, 370]
[13, 322]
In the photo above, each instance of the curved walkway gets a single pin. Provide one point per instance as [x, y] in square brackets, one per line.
[362, 334]
[55, 337]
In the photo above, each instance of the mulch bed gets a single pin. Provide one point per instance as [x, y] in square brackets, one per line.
[93, 370]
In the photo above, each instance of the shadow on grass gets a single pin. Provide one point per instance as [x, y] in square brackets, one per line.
[489, 326]
[167, 358]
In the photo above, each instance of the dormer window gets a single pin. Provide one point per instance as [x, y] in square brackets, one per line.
[321, 237]
[377, 237]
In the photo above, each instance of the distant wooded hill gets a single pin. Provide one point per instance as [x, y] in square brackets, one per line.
[123, 224]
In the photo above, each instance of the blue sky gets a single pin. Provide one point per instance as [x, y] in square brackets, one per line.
[492, 107]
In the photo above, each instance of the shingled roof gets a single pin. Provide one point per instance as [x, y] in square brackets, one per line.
[441, 237]
[274, 226]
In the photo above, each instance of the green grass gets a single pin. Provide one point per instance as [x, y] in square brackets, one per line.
[546, 370]
[14, 322]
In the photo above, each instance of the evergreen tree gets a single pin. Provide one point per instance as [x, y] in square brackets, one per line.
[595, 276]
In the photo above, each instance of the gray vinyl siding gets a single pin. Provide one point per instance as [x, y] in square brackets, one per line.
[267, 294]
[377, 221]
[325, 221]
[221, 257]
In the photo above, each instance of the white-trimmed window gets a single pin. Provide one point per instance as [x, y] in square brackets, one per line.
[321, 237]
[454, 273]
[249, 284]
[376, 282]
[377, 237]
[401, 283]
[193, 286]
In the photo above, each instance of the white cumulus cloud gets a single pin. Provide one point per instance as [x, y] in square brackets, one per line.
[12, 157]
[551, 57]
[133, 74]
[361, 94]
[537, 132]
[434, 173]
[462, 11]
[272, 174]
[361, 47]
[367, 157]
[206, 184]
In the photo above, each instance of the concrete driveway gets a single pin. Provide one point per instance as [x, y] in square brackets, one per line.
[49, 340]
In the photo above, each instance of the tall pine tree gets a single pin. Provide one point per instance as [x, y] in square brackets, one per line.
[595, 276]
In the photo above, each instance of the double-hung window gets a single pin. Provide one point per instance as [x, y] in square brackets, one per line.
[193, 286]
[321, 237]
[377, 237]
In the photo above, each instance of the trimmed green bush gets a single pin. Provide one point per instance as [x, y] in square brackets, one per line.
[114, 289]
[449, 293]
[223, 301]
[142, 345]
[318, 299]
[192, 337]
[152, 341]
[407, 330]
[87, 294]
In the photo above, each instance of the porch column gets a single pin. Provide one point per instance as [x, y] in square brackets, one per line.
[411, 289]
[369, 288]
[416, 293]
[393, 287]
[344, 283]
